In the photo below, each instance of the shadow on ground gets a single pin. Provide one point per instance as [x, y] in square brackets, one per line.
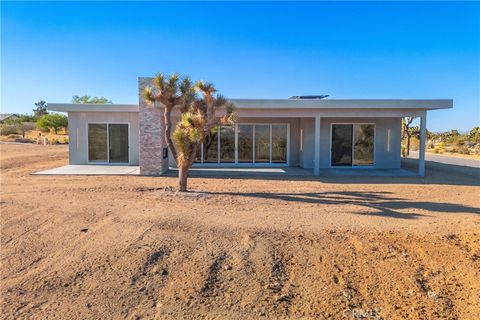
[382, 204]
[436, 173]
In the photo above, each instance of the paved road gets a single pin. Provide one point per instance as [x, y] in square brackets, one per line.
[448, 159]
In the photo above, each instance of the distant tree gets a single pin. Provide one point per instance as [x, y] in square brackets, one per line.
[90, 100]
[40, 110]
[454, 133]
[23, 123]
[474, 135]
[53, 120]
[408, 132]
[27, 126]
[198, 105]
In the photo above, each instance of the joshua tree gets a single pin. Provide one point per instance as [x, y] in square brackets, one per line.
[408, 132]
[201, 111]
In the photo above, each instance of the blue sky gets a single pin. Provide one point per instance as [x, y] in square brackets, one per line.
[52, 51]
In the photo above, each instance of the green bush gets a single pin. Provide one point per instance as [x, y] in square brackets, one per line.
[53, 121]
[65, 140]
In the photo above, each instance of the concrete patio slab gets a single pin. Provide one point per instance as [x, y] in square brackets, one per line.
[360, 172]
[245, 172]
[91, 170]
[231, 171]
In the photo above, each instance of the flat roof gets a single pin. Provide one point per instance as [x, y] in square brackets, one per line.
[423, 104]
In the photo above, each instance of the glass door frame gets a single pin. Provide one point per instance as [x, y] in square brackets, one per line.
[108, 144]
[253, 163]
[353, 144]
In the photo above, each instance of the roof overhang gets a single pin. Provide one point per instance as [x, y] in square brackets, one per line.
[281, 104]
[425, 104]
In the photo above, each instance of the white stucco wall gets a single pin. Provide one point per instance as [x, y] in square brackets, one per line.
[78, 133]
[384, 156]
[302, 156]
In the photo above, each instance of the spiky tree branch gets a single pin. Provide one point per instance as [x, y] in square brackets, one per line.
[198, 105]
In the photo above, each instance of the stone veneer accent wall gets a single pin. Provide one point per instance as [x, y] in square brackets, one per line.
[152, 134]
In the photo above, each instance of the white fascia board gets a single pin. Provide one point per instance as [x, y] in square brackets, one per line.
[426, 104]
[281, 104]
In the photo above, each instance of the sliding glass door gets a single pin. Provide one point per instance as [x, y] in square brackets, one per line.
[352, 145]
[97, 142]
[108, 143]
[342, 137]
[363, 144]
[118, 143]
[246, 144]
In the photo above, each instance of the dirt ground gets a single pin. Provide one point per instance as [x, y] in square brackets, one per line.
[115, 247]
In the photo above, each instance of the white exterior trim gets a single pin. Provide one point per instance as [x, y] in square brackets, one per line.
[281, 104]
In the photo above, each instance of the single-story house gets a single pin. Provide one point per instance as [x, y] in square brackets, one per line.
[307, 132]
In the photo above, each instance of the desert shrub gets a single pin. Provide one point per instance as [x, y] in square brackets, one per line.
[8, 129]
[24, 140]
[65, 140]
[439, 148]
[461, 150]
[55, 141]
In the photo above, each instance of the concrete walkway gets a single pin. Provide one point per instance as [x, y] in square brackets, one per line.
[92, 170]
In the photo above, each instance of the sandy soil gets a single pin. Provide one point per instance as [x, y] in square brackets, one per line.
[114, 247]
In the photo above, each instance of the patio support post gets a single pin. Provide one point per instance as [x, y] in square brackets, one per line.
[316, 165]
[421, 149]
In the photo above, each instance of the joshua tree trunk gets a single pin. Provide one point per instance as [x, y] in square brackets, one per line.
[182, 179]
[407, 151]
[168, 132]
[406, 127]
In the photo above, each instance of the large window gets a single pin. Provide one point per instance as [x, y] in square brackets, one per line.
[352, 145]
[246, 143]
[227, 144]
[262, 143]
[210, 147]
[108, 142]
[279, 143]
